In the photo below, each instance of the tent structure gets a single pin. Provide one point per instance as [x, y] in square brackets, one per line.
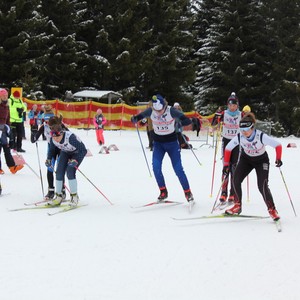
[98, 95]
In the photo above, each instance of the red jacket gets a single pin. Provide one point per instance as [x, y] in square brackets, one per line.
[4, 114]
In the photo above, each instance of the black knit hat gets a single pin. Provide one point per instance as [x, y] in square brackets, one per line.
[233, 99]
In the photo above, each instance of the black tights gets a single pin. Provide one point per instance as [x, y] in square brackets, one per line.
[244, 167]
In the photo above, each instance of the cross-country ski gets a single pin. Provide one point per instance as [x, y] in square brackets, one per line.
[155, 203]
[65, 209]
[37, 207]
[220, 216]
[37, 203]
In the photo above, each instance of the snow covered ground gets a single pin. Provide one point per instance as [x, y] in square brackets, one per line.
[104, 251]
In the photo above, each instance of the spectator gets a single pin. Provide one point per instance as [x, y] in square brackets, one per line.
[16, 107]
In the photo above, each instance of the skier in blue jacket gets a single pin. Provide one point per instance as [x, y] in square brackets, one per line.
[164, 118]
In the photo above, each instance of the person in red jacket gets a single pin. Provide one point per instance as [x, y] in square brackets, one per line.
[6, 133]
[253, 155]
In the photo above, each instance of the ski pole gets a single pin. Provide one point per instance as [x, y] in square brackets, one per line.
[287, 192]
[248, 190]
[213, 171]
[190, 147]
[215, 160]
[219, 192]
[93, 185]
[137, 129]
[37, 151]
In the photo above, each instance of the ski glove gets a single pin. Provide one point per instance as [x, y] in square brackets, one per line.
[144, 121]
[225, 171]
[72, 163]
[134, 119]
[278, 163]
[48, 163]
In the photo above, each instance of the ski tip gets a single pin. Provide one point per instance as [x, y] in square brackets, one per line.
[191, 206]
[278, 225]
[4, 194]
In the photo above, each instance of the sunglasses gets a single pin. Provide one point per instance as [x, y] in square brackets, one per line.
[245, 128]
[55, 133]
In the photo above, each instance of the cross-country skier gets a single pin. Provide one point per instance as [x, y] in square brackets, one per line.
[230, 119]
[253, 155]
[72, 153]
[165, 140]
[45, 130]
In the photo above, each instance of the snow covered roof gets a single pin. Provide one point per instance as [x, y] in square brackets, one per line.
[97, 94]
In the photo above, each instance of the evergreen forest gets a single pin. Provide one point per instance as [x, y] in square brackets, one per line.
[195, 52]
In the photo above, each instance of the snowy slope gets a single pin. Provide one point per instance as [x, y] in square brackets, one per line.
[109, 252]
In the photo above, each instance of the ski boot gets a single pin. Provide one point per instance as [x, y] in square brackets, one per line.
[188, 195]
[163, 194]
[230, 199]
[190, 199]
[236, 209]
[273, 214]
[56, 201]
[50, 195]
[223, 197]
[74, 199]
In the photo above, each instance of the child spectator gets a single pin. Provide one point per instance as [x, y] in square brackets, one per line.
[99, 122]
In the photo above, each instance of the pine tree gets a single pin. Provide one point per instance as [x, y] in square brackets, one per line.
[141, 47]
[208, 13]
[231, 51]
[116, 36]
[23, 44]
[66, 52]
[169, 64]
[97, 64]
[284, 32]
